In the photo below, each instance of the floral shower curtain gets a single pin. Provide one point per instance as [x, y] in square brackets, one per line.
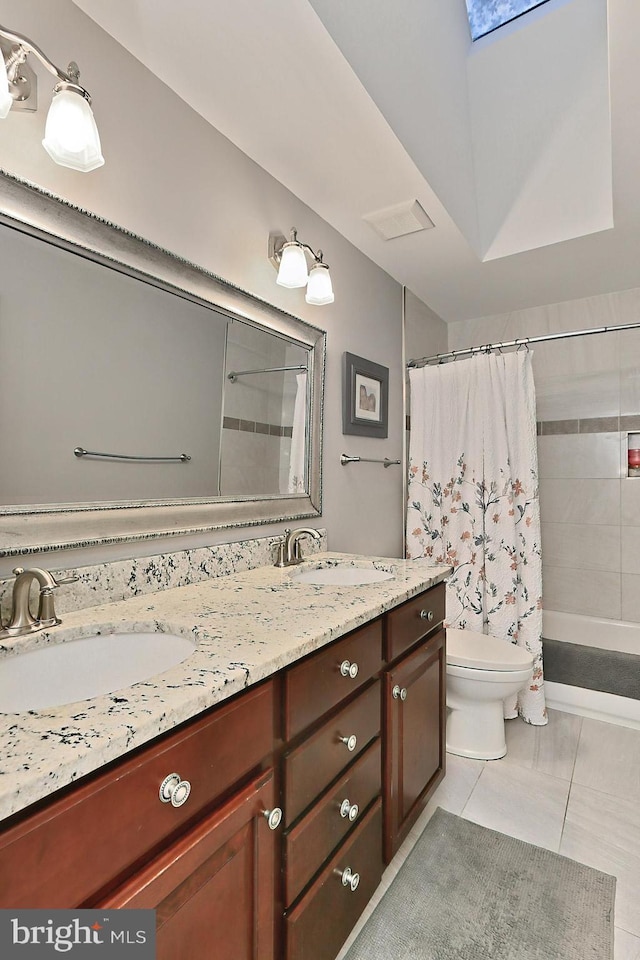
[473, 500]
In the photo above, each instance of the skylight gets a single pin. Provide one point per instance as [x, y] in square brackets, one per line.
[488, 15]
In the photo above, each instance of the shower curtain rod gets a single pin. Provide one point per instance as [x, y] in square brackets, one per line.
[520, 342]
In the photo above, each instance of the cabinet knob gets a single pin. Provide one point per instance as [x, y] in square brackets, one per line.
[426, 615]
[350, 810]
[348, 878]
[350, 742]
[273, 817]
[348, 669]
[174, 790]
[399, 693]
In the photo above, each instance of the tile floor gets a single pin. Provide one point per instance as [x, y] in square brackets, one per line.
[572, 787]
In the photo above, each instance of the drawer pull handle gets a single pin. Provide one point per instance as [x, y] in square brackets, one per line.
[350, 810]
[273, 817]
[349, 879]
[348, 669]
[399, 693]
[350, 742]
[426, 615]
[174, 790]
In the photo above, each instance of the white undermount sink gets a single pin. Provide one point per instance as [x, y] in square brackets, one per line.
[88, 667]
[342, 576]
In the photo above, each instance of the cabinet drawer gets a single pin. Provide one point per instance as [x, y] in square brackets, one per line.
[63, 855]
[316, 685]
[318, 926]
[406, 624]
[311, 841]
[310, 767]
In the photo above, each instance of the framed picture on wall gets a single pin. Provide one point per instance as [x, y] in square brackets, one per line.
[365, 397]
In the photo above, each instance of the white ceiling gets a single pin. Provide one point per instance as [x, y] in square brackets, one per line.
[380, 110]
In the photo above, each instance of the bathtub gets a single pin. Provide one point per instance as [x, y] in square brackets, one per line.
[618, 635]
[622, 635]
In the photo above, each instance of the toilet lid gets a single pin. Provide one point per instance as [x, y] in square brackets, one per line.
[466, 648]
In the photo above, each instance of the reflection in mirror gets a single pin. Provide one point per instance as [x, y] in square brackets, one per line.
[265, 400]
[106, 363]
[206, 400]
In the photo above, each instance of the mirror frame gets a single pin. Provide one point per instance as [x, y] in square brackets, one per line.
[44, 528]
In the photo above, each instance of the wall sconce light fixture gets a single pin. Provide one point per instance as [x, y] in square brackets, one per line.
[71, 136]
[289, 257]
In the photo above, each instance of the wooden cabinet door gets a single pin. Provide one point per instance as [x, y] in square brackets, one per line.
[214, 890]
[414, 758]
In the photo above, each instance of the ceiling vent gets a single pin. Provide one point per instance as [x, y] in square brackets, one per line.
[399, 220]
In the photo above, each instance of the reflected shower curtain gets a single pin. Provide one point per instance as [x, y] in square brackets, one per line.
[473, 500]
[298, 437]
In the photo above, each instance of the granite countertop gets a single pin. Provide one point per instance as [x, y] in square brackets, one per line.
[246, 626]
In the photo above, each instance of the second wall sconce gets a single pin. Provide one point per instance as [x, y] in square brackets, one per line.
[289, 257]
[71, 136]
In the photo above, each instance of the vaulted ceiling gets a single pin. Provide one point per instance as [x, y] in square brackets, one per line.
[522, 148]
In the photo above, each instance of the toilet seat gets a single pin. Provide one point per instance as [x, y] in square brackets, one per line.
[467, 648]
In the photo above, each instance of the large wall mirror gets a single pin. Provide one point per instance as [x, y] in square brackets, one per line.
[141, 396]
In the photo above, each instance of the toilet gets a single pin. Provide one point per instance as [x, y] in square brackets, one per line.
[482, 671]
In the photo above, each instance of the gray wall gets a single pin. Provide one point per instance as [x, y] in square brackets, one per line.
[172, 178]
[425, 334]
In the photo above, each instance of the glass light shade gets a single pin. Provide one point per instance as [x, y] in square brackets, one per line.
[70, 135]
[6, 100]
[293, 270]
[319, 289]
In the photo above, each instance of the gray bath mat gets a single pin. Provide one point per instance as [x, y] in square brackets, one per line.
[468, 893]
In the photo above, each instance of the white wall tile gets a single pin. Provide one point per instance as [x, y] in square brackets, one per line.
[582, 455]
[577, 357]
[580, 501]
[630, 597]
[630, 502]
[582, 546]
[630, 550]
[630, 391]
[566, 396]
[594, 593]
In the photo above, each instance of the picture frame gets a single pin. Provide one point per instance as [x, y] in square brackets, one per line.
[365, 397]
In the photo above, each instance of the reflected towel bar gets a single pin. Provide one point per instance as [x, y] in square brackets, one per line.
[233, 376]
[345, 459]
[81, 452]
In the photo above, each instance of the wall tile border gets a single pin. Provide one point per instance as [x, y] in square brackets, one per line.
[548, 428]
[257, 426]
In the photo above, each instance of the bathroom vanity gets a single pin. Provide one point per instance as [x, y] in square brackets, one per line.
[291, 755]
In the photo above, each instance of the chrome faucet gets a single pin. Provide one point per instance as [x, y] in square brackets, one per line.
[22, 620]
[289, 552]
